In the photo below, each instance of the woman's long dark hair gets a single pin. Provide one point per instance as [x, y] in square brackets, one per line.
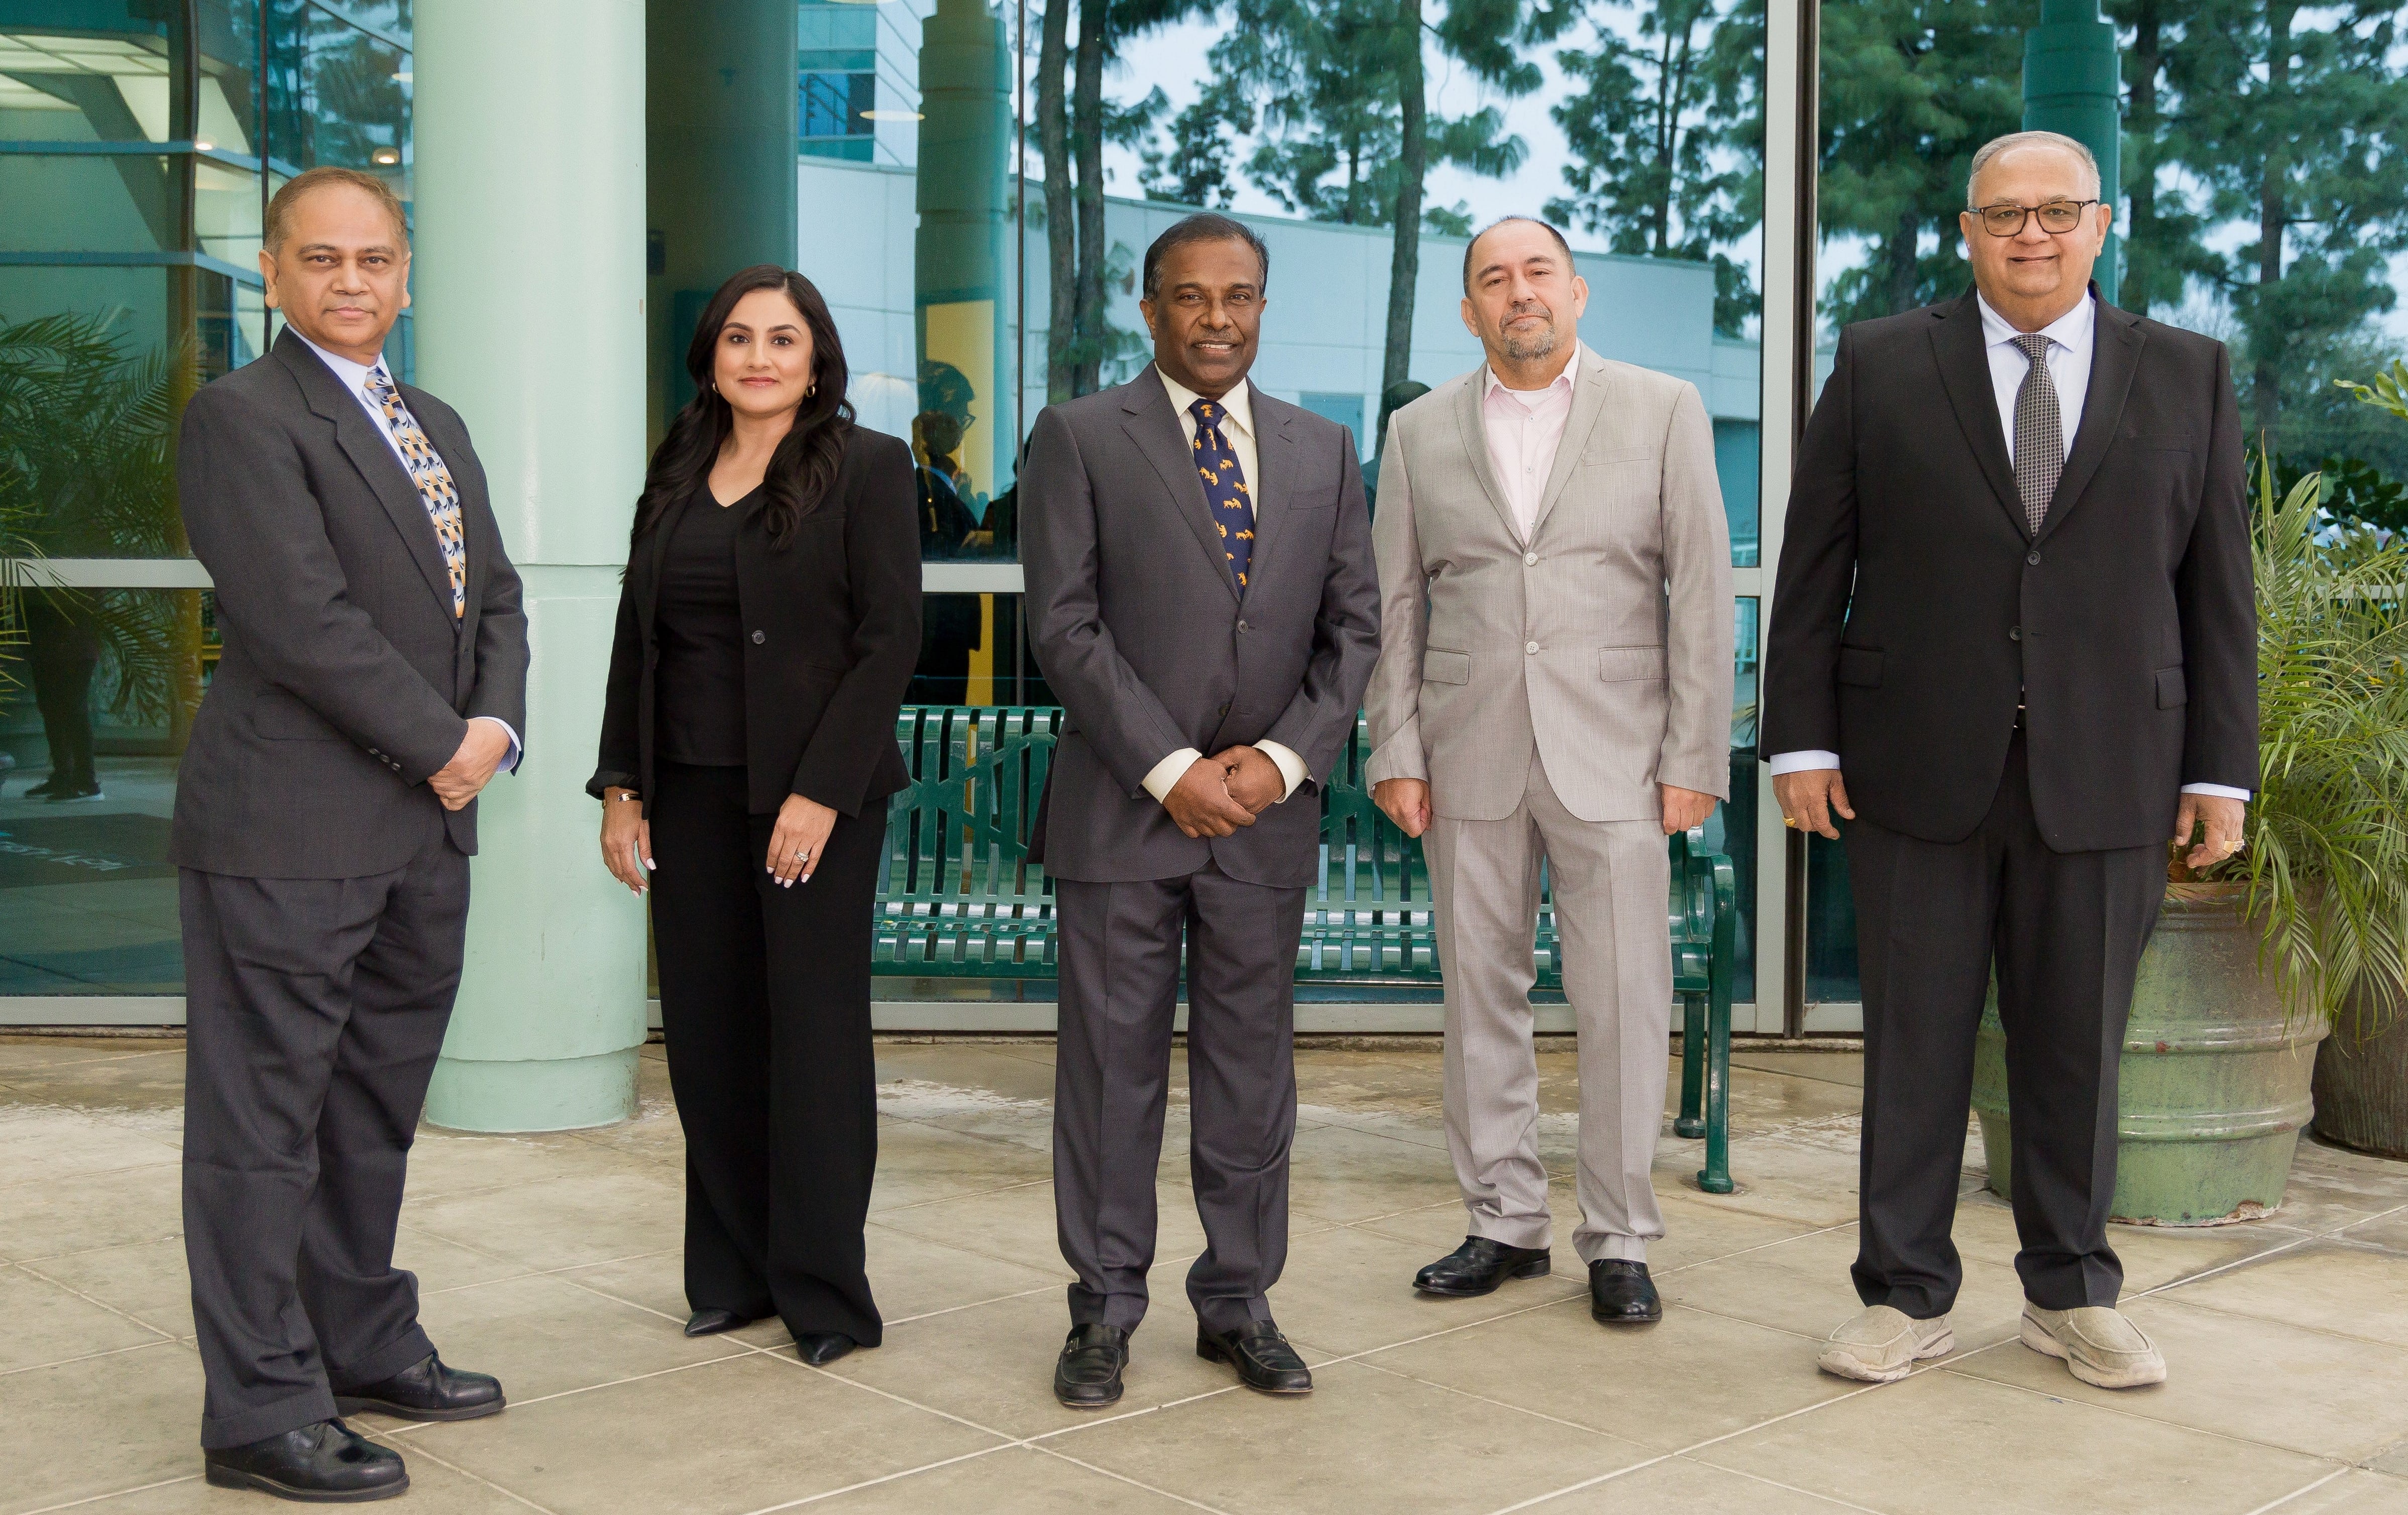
[804, 468]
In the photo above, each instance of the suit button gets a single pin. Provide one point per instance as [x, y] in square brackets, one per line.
[1530, 559]
[1530, 648]
[2032, 558]
[759, 638]
[1242, 625]
[1224, 709]
[2014, 634]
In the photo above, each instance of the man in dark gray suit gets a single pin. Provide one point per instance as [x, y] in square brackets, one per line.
[374, 678]
[1199, 580]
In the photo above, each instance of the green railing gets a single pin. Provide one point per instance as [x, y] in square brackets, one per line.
[961, 899]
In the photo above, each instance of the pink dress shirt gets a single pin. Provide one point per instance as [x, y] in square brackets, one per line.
[1524, 428]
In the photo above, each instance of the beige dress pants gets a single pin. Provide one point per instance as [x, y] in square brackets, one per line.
[1610, 881]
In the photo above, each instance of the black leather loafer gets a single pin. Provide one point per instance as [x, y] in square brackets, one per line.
[1620, 1292]
[710, 1322]
[426, 1390]
[1264, 1360]
[1087, 1375]
[1478, 1267]
[821, 1348]
[325, 1463]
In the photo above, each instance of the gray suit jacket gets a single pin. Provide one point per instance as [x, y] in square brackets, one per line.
[1604, 641]
[345, 681]
[1139, 629]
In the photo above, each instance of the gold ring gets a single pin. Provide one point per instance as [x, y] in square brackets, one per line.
[1789, 821]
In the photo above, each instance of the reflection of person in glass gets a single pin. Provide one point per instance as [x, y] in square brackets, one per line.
[1554, 691]
[766, 630]
[373, 680]
[63, 649]
[1200, 581]
[945, 521]
[2013, 646]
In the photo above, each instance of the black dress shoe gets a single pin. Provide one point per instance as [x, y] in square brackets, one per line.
[426, 1390]
[1261, 1355]
[710, 1323]
[325, 1463]
[1478, 1267]
[1620, 1292]
[821, 1348]
[1087, 1375]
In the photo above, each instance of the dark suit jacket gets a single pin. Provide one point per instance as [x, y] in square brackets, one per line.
[1913, 605]
[832, 624]
[345, 681]
[1139, 629]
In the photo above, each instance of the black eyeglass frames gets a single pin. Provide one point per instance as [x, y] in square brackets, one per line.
[2056, 217]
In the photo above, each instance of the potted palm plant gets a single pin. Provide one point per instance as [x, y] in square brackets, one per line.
[2256, 960]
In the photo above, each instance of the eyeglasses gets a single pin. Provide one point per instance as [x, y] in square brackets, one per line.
[2057, 216]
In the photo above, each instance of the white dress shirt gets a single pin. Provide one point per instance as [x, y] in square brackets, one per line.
[355, 377]
[1524, 427]
[1238, 425]
[2071, 338]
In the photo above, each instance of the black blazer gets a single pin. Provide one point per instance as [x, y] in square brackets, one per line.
[1913, 607]
[832, 634]
[346, 680]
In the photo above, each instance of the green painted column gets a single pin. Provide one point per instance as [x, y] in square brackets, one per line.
[2073, 84]
[720, 98]
[529, 283]
[958, 263]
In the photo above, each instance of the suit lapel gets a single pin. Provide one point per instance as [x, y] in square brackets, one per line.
[2116, 348]
[373, 456]
[1151, 425]
[1588, 404]
[1965, 373]
[1473, 428]
[1275, 459]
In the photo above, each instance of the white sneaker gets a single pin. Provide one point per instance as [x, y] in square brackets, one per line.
[1882, 1344]
[2097, 1344]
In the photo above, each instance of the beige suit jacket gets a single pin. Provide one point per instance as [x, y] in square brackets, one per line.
[1603, 642]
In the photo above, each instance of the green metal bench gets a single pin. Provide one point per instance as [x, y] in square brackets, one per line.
[961, 899]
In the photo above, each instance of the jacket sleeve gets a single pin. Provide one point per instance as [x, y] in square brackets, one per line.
[620, 765]
[1319, 720]
[1127, 723]
[2215, 596]
[260, 533]
[1817, 573]
[881, 550]
[1696, 754]
[1392, 703]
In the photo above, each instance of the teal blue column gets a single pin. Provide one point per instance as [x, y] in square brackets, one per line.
[958, 263]
[2073, 84]
[529, 281]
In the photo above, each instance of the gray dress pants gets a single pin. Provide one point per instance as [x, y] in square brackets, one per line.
[315, 1009]
[1611, 880]
[1120, 989]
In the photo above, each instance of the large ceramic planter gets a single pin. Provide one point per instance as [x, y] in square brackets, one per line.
[2362, 1091]
[2215, 1077]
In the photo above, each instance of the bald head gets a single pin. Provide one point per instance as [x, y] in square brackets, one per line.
[2059, 152]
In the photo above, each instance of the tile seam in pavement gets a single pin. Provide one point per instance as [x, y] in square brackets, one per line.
[114, 1494]
[164, 1335]
[27, 1263]
[785, 1357]
[2295, 1494]
[2122, 1408]
[417, 1450]
[2329, 1332]
[1134, 1483]
[87, 1175]
[86, 1357]
[421, 1428]
[1501, 1404]
[532, 1273]
[1791, 1488]
[883, 1477]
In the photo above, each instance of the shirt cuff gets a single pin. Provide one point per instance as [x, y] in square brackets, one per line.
[1802, 762]
[1165, 777]
[2219, 790]
[510, 764]
[1291, 766]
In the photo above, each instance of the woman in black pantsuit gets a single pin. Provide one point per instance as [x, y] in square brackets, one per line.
[769, 624]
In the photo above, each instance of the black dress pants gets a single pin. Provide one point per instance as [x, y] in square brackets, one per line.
[314, 1011]
[2064, 932]
[63, 651]
[765, 1006]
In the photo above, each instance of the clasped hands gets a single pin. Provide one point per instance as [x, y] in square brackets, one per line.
[472, 766]
[1218, 794]
[1809, 797]
[1407, 802]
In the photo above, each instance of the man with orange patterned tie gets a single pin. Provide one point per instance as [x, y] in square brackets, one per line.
[1199, 580]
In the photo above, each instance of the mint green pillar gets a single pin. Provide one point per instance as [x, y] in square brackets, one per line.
[2073, 84]
[958, 265]
[529, 283]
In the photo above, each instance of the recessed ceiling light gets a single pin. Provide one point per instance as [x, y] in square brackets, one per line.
[402, 77]
[891, 115]
[386, 156]
[205, 145]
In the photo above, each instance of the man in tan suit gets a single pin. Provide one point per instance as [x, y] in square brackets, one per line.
[1554, 686]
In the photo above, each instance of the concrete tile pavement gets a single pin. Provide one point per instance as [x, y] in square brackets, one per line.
[554, 1262]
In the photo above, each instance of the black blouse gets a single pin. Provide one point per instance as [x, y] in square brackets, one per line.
[701, 631]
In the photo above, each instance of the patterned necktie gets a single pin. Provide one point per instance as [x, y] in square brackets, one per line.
[1225, 488]
[433, 482]
[2039, 432]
